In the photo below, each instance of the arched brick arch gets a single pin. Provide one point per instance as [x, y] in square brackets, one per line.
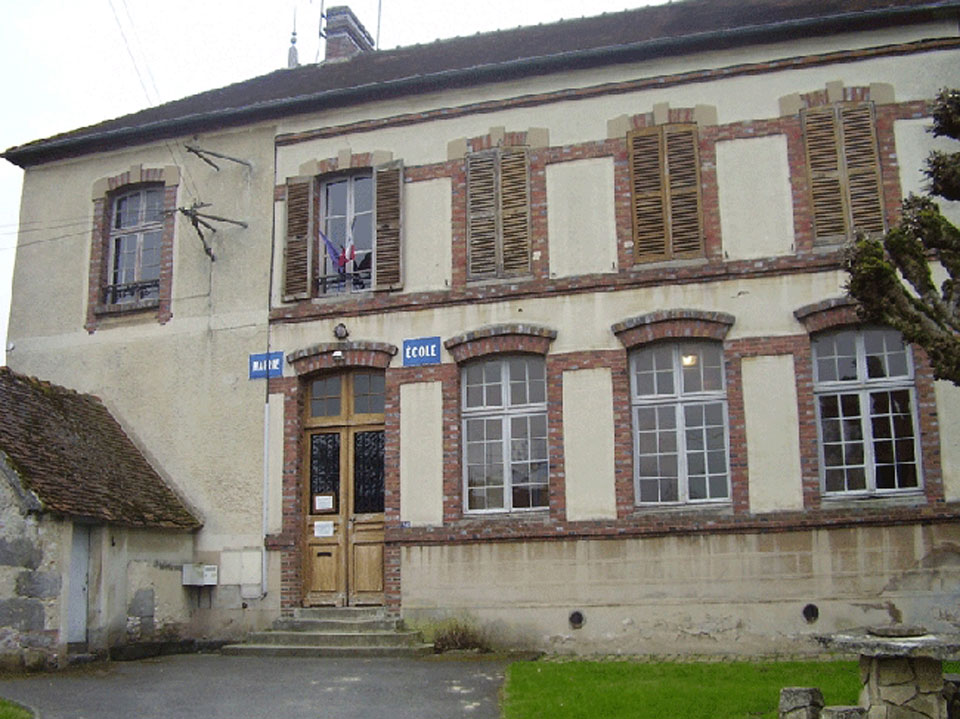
[673, 324]
[497, 339]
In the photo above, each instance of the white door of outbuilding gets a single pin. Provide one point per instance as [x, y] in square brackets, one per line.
[77, 594]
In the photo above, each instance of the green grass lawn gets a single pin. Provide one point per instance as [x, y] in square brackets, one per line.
[12, 711]
[665, 690]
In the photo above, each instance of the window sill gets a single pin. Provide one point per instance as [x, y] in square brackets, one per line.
[538, 515]
[913, 498]
[126, 308]
[724, 509]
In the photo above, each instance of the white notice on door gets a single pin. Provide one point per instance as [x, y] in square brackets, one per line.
[323, 529]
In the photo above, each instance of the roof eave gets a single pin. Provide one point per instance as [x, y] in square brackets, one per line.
[46, 151]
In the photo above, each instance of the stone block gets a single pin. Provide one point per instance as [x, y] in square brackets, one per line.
[26, 615]
[931, 705]
[800, 703]
[929, 674]
[906, 713]
[38, 585]
[898, 694]
[20, 553]
[894, 671]
[34, 660]
[843, 712]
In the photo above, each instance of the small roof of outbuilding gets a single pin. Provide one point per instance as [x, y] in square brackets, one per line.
[628, 36]
[69, 452]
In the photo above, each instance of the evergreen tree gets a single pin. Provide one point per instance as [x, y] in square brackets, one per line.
[891, 277]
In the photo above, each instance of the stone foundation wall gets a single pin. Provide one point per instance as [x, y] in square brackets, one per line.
[30, 585]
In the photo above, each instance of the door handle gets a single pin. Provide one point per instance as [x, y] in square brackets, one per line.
[324, 554]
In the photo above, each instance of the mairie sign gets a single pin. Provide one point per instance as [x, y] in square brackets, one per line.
[420, 351]
[266, 364]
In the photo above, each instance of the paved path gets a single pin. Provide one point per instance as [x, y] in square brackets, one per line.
[211, 686]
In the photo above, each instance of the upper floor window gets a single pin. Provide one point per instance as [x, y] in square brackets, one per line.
[136, 238]
[665, 181]
[863, 381]
[680, 423]
[498, 213]
[346, 234]
[504, 411]
[343, 233]
[844, 170]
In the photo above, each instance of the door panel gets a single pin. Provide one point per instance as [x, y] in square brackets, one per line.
[343, 532]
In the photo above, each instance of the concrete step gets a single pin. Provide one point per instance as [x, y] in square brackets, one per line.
[333, 632]
[279, 650]
[336, 639]
[342, 613]
[292, 624]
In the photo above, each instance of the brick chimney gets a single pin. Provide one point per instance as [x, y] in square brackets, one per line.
[346, 36]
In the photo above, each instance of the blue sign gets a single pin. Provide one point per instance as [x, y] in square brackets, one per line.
[420, 351]
[266, 364]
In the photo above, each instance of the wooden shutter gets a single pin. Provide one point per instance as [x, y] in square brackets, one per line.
[863, 168]
[683, 174]
[515, 212]
[388, 253]
[482, 214]
[649, 195]
[823, 161]
[298, 250]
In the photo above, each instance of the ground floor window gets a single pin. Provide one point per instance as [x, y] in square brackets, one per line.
[505, 434]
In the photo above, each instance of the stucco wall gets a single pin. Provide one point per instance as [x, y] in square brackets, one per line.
[421, 456]
[711, 594]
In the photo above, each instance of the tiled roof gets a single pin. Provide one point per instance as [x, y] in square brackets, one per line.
[656, 31]
[72, 454]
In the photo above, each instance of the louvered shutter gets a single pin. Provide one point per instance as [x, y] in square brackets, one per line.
[823, 160]
[863, 181]
[683, 175]
[482, 214]
[388, 254]
[298, 252]
[649, 197]
[514, 212]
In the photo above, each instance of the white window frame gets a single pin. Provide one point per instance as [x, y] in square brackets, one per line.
[505, 412]
[326, 283]
[138, 230]
[862, 387]
[679, 400]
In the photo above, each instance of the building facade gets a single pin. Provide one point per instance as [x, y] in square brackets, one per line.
[552, 324]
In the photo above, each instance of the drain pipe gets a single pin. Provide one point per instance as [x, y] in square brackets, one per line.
[265, 519]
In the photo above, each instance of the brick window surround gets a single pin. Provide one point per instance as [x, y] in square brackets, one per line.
[105, 190]
[839, 313]
[691, 324]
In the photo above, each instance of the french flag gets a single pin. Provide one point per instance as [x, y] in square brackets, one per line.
[338, 257]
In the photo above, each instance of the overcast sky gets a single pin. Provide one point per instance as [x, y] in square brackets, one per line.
[65, 64]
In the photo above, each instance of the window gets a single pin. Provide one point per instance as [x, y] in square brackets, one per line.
[863, 381]
[665, 178]
[136, 238]
[844, 168]
[343, 233]
[346, 234]
[505, 434]
[498, 214]
[680, 423]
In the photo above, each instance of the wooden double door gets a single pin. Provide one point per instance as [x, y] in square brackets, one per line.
[343, 446]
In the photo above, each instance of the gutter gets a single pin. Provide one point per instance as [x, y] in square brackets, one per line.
[49, 150]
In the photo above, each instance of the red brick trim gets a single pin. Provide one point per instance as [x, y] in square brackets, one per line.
[498, 339]
[673, 324]
[660, 275]
[833, 312]
[352, 354]
[618, 88]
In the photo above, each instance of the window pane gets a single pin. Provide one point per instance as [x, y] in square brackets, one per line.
[153, 211]
[325, 397]
[368, 472]
[336, 199]
[362, 234]
[362, 194]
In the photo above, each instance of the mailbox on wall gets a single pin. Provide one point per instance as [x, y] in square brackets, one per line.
[199, 575]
